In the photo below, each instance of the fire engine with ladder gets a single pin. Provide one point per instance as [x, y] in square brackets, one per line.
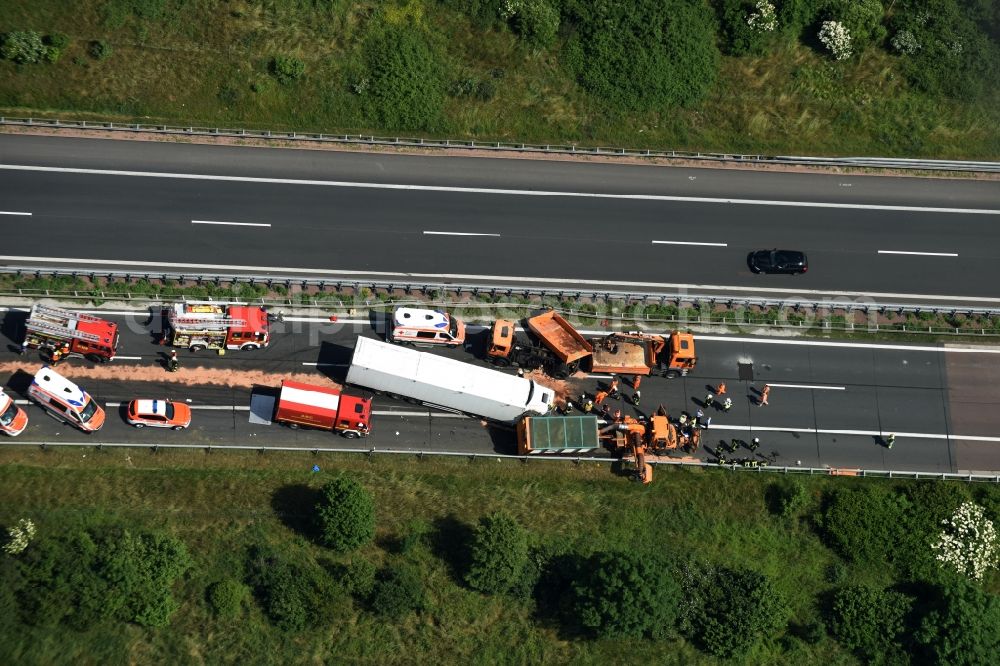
[51, 330]
[200, 325]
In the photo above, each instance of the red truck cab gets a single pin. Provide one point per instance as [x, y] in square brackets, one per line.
[325, 408]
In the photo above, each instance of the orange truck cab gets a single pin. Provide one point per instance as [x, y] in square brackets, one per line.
[324, 408]
[200, 325]
[72, 333]
[426, 327]
[13, 420]
[65, 400]
[641, 354]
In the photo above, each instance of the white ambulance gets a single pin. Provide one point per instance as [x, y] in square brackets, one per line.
[65, 400]
[418, 326]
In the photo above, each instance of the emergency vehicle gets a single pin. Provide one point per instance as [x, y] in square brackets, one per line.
[50, 329]
[65, 400]
[13, 420]
[201, 325]
[324, 408]
[430, 327]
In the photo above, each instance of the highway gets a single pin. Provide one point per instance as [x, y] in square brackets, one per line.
[175, 205]
[829, 405]
[97, 203]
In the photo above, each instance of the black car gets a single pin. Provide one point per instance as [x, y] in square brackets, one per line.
[778, 261]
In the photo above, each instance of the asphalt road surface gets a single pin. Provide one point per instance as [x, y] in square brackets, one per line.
[213, 206]
[830, 403]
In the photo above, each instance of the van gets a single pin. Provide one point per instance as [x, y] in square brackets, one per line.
[426, 327]
[13, 420]
[65, 400]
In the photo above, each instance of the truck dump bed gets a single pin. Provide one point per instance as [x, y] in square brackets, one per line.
[559, 336]
[557, 434]
[626, 356]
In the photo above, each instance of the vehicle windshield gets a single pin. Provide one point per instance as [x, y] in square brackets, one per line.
[88, 411]
[8, 414]
[170, 410]
[453, 327]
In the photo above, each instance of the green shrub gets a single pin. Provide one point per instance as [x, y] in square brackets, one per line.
[867, 620]
[950, 54]
[929, 504]
[498, 554]
[738, 36]
[227, 597]
[54, 46]
[115, 13]
[397, 592]
[23, 47]
[794, 16]
[789, 497]
[345, 515]
[359, 577]
[625, 595]
[642, 55]
[864, 525]
[405, 85]
[100, 49]
[286, 69]
[290, 595]
[962, 628]
[727, 612]
[483, 13]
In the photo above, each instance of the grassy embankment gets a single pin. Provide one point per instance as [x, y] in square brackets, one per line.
[207, 63]
[219, 504]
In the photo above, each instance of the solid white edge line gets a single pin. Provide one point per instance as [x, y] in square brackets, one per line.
[507, 278]
[663, 242]
[127, 358]
[809, 386]
[852, 345]
[920, 254]
[483, 190]
[12, 212]
[457, 233]
[232, 224]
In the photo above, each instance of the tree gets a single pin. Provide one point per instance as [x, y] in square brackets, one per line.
[498, 554]
[345, 515]
[962, 628]
[397, 592]
[23, 47]
[625, 595]
[291, 594]
[868, 620]
[740, 608]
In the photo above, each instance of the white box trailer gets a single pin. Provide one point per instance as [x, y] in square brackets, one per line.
[443, 382]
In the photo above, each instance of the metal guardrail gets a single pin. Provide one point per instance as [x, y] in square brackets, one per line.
[373, 451]
[501, 146]
[433, 289]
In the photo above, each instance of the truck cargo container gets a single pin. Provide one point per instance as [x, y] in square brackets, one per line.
[566, 435]
[442, 382]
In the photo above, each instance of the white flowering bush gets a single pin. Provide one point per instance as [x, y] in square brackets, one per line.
[19, 536]
[905, 42]
[510, 8]
[968, 542]
[836, 39]
[764, 19]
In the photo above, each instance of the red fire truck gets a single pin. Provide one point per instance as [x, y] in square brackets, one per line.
[324, 408]
[200, 325]
[59, 333]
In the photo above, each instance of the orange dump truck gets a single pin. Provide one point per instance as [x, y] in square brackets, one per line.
[559, 354]
[642, 354]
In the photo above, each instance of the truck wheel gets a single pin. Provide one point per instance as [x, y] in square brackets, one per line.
[94, 358]
[560, 373]
[198, 348]
[671, 374]
[293, 426]
[250, 347]
[350, 434]
[501, 362]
